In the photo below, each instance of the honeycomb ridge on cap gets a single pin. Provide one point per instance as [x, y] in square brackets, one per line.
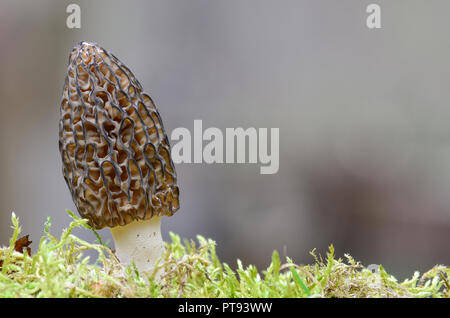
[115, 153]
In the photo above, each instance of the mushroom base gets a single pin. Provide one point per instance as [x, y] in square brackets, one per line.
[139, 241]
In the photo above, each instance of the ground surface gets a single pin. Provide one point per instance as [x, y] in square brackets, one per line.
[191, 269]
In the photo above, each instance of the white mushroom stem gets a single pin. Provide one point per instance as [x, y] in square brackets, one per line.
[139, 241]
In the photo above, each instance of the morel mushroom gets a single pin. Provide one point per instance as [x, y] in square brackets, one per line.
[116, 154]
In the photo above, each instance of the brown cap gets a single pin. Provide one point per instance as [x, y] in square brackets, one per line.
[115, 152]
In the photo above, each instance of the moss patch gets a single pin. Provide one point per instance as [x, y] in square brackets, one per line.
[192, 269]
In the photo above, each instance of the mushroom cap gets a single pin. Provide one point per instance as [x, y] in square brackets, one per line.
[115, 152]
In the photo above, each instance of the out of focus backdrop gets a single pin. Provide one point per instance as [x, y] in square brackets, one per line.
[364, 118]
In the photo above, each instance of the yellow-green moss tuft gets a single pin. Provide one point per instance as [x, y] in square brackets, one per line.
[192, 269]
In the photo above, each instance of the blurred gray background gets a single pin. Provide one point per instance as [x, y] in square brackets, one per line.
[364, 120]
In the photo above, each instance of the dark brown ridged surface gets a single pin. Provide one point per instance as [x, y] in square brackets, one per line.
[115, 152]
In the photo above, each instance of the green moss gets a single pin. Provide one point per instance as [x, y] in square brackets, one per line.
[192, 269]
